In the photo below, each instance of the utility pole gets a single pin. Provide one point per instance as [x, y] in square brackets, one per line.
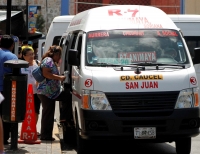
[14, 126]
[8, 17]
[27, 20]
[46, 16]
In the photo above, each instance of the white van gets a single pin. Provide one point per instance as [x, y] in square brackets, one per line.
[131, 76]
[57, 28]
[190, 27]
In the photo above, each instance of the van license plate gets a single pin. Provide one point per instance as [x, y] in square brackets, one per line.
[145, 132]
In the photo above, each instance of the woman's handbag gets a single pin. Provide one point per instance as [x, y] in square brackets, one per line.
[37, 74]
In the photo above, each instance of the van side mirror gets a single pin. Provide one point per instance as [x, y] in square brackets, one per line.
[73, 57]
[196, 59]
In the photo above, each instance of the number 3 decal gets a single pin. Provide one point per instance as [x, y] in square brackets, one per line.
[88, 83]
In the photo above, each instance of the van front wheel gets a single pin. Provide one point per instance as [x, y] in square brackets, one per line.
[183, 146]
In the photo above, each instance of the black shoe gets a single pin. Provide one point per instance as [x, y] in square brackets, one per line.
[47, 139]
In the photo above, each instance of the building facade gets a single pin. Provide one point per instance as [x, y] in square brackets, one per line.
[192, 6]
[168, 6]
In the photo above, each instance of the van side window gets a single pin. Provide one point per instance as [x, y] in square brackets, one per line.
[67, 45]
[192, 42]
[74, 41]
[56, 40]
[79, 45]
[61, 42]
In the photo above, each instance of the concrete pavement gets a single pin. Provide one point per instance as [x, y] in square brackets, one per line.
[45, 147]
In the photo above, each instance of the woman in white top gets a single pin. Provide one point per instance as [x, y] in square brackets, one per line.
[28, 55]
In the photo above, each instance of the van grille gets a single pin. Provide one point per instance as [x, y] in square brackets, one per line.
[154, 103]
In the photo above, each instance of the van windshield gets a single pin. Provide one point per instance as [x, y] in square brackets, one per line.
[126, 47]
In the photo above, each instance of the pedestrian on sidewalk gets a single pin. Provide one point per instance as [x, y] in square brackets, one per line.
[6, 47]
[49, 90]
[19, 52]
[26, 45]
[28, 55]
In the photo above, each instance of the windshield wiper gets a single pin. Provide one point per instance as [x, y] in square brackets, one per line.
[110, 64]
[140, 66]
[104, 64]
[167, 64]
[143, 64]
[158, 64]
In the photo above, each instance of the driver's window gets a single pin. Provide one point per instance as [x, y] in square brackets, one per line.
[79, 45]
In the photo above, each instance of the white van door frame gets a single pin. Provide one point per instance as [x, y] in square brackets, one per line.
[40, 49]
[65, 44]
[77, 73]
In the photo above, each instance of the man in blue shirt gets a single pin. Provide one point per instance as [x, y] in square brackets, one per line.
[6, 46]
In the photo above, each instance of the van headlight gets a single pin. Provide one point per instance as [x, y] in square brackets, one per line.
[95, 100]
[188, 98]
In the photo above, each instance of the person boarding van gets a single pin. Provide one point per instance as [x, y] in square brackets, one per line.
[123, 81]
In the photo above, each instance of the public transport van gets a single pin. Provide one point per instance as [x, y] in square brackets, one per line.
[130, 76]
[190, 27]
[58, 26]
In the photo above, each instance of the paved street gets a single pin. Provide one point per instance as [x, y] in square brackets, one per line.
[120, 147]
[105, 147]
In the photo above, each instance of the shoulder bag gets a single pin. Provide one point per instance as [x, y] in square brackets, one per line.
[37, 74]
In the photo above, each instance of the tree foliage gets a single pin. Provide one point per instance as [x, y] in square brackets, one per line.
[40, 23]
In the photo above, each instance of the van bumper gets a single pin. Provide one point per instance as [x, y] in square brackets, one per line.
[105, 124]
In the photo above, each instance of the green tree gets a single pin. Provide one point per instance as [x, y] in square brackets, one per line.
[40, 23]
